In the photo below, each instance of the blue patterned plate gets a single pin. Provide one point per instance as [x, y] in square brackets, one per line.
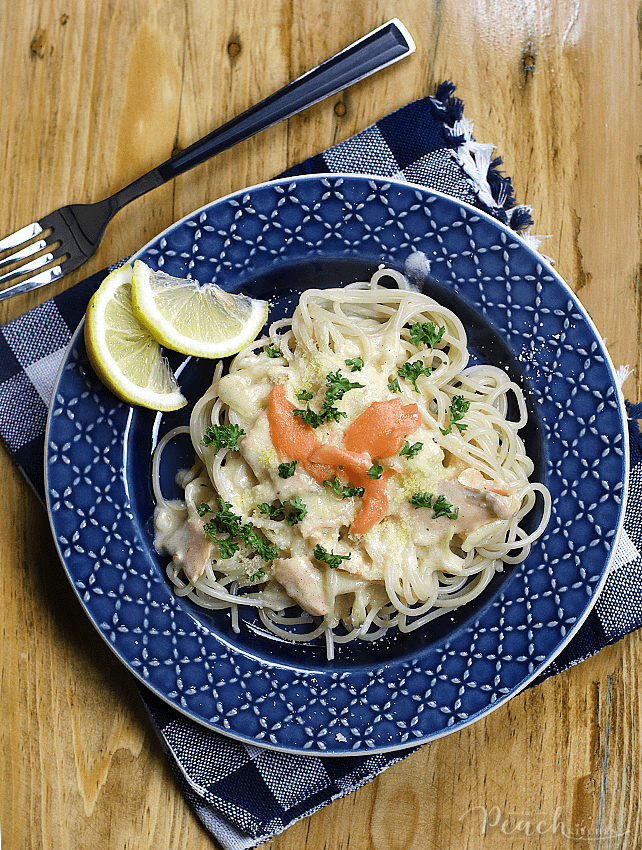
[272, 241]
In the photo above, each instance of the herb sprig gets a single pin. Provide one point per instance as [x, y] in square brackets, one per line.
[225, 521]
[273, 511]
[279, 511]
[355, 364]
[458, 409]
[336, 386]
[298, 513]
[286, 469]
[255, 541]
[344, 492]
[422, 334]
[411, 451]
[228, 547]
[222, 437]
[421, 500]
[442, 507]
[426, 333]
[439, 504]
[332, 560]
[412, 371]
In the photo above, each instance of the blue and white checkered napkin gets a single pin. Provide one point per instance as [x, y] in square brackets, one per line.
[244, 795]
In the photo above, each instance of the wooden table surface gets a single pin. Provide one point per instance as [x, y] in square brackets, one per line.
[95, 92]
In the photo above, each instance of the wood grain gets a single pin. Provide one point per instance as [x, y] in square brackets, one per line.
[95, 92]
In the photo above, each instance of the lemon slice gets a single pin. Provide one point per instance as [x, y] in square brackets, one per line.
[198, 319]
[125, 357]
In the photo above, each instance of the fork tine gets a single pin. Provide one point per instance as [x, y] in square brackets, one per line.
[34, 265]
[34, 282]
[23, 253]
[42, 278]
[38, 263]
[20, 236]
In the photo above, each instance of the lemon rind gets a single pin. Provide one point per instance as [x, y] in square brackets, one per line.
[105, 365]
[161, 328]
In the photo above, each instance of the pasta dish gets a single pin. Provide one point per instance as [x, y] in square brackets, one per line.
[353, 473]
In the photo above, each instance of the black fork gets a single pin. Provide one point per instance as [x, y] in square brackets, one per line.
[61, 241]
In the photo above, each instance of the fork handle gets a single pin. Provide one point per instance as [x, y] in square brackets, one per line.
[380, 48]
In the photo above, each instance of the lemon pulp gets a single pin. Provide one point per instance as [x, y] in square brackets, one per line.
[124, 355]
[198, 319]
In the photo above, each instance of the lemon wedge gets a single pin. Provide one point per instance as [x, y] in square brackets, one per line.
[124, 355]
[198, 319]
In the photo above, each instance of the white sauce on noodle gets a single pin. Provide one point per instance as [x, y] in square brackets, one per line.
[408, 568]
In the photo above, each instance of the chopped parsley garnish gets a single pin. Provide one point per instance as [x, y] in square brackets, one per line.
[311, 417]
[393, 385]
[298, 513]
[332, 414]
[344, 492]
[375, 471]
[421, 500]
[286, 469]
[458, 409]
[203, 509]
[328, 413]
[355, 364]
[426, 333]
[336, 387]
[222, 437]
[440, 505]
[411, 451]
[330, 558]
[228, 547]
[277, 511]
[273, 352]
[272, 511]
[261, 546]
[258, 575]
[304, 395]
[225, 521]
[412, 371]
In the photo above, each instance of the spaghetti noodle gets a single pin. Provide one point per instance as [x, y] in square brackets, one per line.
[353, 467]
